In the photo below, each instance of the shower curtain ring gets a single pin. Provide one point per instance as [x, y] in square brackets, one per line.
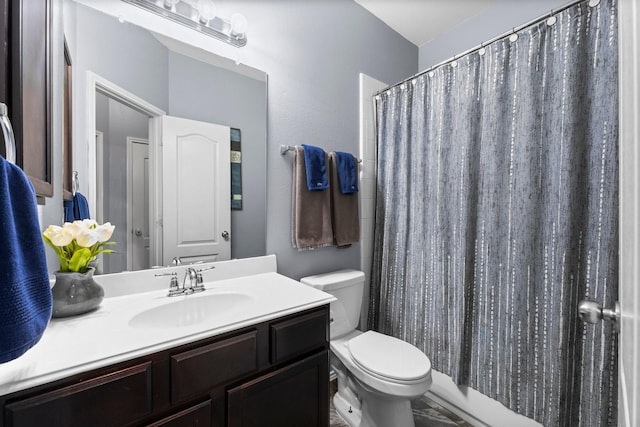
[482, 50]
[514, 36]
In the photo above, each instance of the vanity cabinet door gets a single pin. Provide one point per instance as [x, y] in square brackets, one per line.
[114, 399]
[196, 416]
[296, 395]
[198, 371]
[299, 335]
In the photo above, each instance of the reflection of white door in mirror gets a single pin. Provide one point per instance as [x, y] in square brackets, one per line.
[138, 213]
[196, 212]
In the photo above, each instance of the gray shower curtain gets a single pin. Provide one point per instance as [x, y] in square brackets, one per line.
[497, 212]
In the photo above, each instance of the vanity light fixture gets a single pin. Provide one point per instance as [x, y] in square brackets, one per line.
[199, 15]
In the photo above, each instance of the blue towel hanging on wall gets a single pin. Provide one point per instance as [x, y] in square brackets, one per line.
[25, 293]
[347, 172]
[80, 207]
[68, 211]
[315, 162]
[76, 208]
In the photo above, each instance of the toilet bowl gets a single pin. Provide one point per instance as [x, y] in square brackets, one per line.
[378, 375]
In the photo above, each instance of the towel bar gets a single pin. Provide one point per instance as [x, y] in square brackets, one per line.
[7, 133]
[286, 148]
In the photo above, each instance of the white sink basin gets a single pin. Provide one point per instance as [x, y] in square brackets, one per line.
[190, 310]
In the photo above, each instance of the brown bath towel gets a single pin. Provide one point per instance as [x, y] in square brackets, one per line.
[311, 210]
[344, 210]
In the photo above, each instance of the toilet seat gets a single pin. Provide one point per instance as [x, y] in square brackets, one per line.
[389, 358]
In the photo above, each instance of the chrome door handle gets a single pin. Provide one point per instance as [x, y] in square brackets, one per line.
[138, 232]
[225, 235]
[592, 312]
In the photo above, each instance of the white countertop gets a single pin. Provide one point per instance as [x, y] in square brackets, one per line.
[104, 337]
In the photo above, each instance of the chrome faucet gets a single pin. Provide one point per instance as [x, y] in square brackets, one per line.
[195, 281]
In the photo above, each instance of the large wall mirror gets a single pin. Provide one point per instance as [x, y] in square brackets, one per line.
[125, 75]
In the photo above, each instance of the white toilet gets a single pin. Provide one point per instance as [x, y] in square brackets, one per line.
[378, 375]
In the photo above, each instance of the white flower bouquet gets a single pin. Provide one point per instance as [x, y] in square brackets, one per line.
[78, 243]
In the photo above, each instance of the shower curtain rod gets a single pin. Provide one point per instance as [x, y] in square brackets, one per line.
[514, 30]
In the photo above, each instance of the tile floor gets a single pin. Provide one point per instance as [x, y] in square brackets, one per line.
[426, 413]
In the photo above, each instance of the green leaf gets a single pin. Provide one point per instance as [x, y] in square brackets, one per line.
[80, 259]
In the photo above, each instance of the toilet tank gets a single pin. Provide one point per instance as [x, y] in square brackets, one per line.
[347, 286]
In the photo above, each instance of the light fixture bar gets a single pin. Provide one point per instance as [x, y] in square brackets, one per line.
[238, 40]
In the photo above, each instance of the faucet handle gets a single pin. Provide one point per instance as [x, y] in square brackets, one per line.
[199, 279]
[174, 287]
[166, 274]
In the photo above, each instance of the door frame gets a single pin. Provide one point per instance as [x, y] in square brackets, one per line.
[95, 84]
[97, 151]
[629, 213]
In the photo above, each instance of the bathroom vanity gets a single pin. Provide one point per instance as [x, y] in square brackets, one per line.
[142, 359]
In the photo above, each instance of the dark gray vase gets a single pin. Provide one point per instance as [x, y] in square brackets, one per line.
[75, 293]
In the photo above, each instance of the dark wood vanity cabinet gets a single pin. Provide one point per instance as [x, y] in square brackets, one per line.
[271, 374]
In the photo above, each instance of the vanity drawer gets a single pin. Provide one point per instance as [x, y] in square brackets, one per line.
[117, 398]
[197, 371]
[299, 335]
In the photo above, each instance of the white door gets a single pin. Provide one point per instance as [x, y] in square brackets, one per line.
[138, 204]
[196, 212]
[629, 277]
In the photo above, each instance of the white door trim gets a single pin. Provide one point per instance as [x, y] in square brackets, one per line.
[629, 214]
[96, 151]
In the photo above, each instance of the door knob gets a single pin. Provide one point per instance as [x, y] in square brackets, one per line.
[225, 235]
[592, 312]
[138, 232]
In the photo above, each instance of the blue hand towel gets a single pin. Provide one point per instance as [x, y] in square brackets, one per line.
[80, 207]
[25, 293]
[68, 210]
[316, 168]
[347, 172]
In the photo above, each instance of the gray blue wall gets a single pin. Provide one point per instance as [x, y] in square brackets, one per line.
[313, 52]
[503, 16]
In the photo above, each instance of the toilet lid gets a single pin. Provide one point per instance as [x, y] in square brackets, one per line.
[389, 357]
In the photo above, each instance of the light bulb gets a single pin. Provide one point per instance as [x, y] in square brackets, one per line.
[168, 4]
[206, 11]
[238, 24]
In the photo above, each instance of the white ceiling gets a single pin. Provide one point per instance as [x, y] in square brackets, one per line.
[420, 21]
